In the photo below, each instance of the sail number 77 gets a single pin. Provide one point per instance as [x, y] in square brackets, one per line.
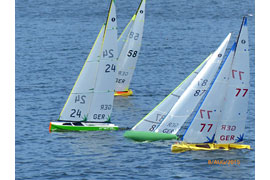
[203, 126]
[239, 90]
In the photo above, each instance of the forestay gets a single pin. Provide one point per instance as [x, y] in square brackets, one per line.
[130, 50]
[155, 117]
[91, 98]
[187, 103]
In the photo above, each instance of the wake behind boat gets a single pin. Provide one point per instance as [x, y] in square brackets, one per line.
[90, 103]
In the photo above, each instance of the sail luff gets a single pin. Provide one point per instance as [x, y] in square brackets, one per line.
[244, 22]
[140, 6]
[124, 35]
[107, 19]
[132, 19]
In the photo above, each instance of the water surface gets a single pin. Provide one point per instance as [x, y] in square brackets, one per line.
[53, 39]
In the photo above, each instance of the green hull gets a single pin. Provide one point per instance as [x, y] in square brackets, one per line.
[57, 127]
[148, 136]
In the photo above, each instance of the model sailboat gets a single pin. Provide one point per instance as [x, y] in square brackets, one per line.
[90, 102]
[210, 108]
[219, 121]
[129, 44]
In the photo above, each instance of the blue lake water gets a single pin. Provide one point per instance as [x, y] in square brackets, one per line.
[53, 39]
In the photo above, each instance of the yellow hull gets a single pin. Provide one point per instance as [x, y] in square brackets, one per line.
[182, 147]
[123, 93]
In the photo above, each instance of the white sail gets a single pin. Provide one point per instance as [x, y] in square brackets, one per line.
[187, 103]
[155, 117]
[130, 51]
[231, 127]
[203, 125]
[221, 116]
[124, 35]
[91, 98]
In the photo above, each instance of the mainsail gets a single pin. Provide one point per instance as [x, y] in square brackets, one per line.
[231, 127]
[129, 45]
[91, 98]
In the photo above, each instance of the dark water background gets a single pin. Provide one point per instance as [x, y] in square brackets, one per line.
[53, 39]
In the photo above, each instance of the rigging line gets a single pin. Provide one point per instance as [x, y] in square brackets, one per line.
[244, 21]
[233, 47]
[109, 13]
[139, 7]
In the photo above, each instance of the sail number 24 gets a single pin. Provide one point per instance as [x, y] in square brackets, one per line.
[109, 68]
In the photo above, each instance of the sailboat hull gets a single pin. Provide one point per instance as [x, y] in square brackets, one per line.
[123, 93]
[182, 147]
[148, 136]
[81, 126]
